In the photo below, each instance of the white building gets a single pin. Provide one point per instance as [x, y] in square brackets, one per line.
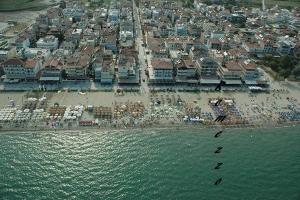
[34, 52]
[77, 34]
[74, 12]
[48, 42]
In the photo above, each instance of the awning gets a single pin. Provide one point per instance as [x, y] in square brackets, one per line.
[262, 82]
[49, 78]
[186, 81]
[233, 82]
[11, 80]
[210, 81]
[255, 88]
[250, 82]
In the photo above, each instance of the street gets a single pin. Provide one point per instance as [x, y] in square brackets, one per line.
[141, 50]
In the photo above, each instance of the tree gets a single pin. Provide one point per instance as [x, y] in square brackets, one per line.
[296, 71]
[64, 74]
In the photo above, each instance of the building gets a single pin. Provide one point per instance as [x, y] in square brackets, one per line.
[186, 71]
[113, 16]
[110, 43]
[22, 42]
[196, 53]
[126, 35]
[237, 18]
[104, 70]
[208, 68]
[127, 70]
[32, 66]
[232, 73]
[181, 29]
[126, 38]
[253, 48]
[76, 68]
[34, 52]
[4, 55]
[52, 71]
[3, 27]
[107, 71]
[69, 46]
[48, 42]
[161, 71]
[251, 72]
[76, 13]
[214, 43]
[285, 47]
[17, 69]
[97, 63]
[76, 35]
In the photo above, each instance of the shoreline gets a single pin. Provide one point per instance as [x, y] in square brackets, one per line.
[161, 127]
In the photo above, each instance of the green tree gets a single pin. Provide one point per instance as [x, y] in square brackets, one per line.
[296, 71]
[64, 74]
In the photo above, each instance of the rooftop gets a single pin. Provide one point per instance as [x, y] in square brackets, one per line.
[30, 63]
[233, 66]
[248, 65]
[53, 63]
[162, 63]
[13, 61]
[49, 38]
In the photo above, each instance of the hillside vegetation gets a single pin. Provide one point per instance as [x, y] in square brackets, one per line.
[284, 66]
[17, 5]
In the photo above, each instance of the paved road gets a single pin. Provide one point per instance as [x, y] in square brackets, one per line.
[140, 49]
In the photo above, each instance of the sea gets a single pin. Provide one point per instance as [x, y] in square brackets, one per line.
[184, 163]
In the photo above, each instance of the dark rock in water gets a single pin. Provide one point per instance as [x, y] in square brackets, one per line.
[219, 150]
[218, 166]
[218, 181]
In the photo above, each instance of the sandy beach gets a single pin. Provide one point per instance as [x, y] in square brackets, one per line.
[159, 109]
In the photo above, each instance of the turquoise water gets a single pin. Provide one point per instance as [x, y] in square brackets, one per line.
[151, 164]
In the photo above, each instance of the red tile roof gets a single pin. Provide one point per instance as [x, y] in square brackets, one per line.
[30, 63]
[233, 66]
[249, 66]
[13, 61]
[162, 64]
